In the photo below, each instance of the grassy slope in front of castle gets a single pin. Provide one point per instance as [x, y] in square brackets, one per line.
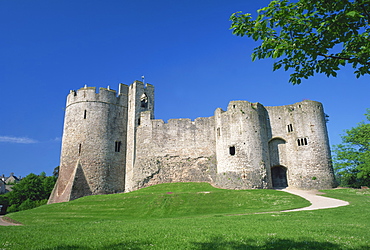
[192, 216]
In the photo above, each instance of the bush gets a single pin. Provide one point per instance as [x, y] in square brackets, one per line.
[32, 191]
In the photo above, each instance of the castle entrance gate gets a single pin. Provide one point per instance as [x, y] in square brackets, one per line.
[278, 174]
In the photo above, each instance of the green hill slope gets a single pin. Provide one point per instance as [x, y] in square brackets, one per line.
[163, 201]
[192, 216]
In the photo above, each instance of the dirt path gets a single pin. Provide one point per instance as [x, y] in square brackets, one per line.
[317, 201]
[7, 223]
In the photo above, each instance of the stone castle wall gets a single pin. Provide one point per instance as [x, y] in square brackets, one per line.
[300, 143]
[178, 151]
[112, 143]
[242, 155]
[140, 99]
[94, 128]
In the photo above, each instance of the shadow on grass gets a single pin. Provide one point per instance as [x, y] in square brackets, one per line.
[219, 243]
[123, 245]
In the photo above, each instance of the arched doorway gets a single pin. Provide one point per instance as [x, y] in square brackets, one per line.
[278, 174]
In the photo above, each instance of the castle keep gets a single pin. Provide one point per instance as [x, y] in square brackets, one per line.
[112, 143]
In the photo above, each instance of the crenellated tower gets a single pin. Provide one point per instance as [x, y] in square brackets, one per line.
[94, 144]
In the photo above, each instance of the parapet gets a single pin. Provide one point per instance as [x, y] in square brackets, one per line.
[105, 95]
[140, 84]
[299, 105]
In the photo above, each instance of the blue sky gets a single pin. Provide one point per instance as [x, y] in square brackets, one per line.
[184, 48]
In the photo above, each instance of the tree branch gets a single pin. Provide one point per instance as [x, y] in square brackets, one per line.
[366, 13]
[341, 58]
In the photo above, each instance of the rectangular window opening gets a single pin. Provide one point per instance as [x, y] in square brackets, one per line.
[79, 149]
[117, 147]
[85, 112]
[302, 141]
[232, 150]
[290, 128]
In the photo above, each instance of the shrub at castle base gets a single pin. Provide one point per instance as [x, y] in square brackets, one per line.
[112, 143]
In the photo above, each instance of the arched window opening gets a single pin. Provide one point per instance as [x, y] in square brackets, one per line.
[144, 101]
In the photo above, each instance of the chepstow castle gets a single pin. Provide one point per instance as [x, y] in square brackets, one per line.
[112, 143]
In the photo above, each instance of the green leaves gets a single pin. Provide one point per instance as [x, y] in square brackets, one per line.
[352, 157]
[31, 189]
[310, 36]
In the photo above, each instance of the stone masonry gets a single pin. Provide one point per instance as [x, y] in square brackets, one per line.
[112, 143]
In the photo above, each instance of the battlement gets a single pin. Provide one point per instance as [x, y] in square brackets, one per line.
[104, 95]
[142, 85]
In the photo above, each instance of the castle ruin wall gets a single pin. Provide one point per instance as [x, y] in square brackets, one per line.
[112, 143]
[300, 130]
[178, 151]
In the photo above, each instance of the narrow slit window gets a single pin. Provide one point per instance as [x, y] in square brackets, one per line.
[232, 150]
[79, 149]
[290, 128]
[117, 146]
[218, 132]
[85, 113]
[138, 122]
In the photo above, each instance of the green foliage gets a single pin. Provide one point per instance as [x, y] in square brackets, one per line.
[56, 172]
[30, 192]
[310, 36]
[4, 201]
[95, 222]
[352, 157]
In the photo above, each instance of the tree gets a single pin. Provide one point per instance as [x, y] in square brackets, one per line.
[310, 36]
[33, 190]
[352, 157]
[56, 172]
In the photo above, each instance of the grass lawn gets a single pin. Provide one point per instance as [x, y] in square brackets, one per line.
[193, 216]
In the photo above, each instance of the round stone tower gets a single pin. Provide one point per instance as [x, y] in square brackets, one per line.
[94, 144]
[241, 146]
[311, 167]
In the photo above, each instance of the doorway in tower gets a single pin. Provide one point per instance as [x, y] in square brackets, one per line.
[279, 179]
